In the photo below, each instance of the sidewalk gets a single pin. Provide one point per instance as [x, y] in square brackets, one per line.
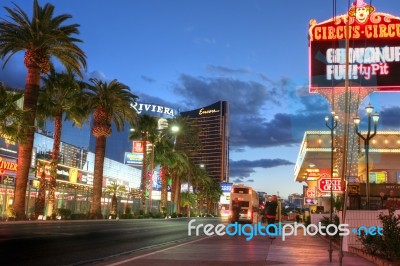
[226, 250]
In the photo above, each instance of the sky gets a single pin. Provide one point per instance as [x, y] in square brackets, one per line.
[191, 53]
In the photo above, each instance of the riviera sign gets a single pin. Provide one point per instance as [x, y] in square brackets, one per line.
[147, 107]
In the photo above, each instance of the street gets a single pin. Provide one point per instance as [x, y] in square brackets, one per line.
[84, 242]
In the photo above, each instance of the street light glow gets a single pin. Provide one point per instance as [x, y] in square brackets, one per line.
[174, 129]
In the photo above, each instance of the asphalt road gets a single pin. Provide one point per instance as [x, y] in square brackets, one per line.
[85, 242]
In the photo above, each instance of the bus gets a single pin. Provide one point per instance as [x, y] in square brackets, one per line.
[248, 201]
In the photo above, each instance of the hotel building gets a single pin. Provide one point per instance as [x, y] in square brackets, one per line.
[213, 121]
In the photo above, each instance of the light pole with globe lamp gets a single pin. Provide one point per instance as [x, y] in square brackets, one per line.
[332, 126]
[374, 118]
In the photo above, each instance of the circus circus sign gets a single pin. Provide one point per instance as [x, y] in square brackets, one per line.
[373, 53]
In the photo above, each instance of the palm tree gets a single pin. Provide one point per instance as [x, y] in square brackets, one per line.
[179, 168]
[110, 103]
[11, 116]
[199, 180]
[41, 37]
[164, 156]
[187, 200]
[187, 144]
[61, 94]
[146, 131]
[40, 201]
[114, 189]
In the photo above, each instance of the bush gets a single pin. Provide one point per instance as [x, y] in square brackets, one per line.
[78, 216]
[386, 245]
[325, 221]
[157, 215]
[64, 213]
[126, 216]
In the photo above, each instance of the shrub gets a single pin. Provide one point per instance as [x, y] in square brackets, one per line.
[126, 216]
[64, 213]
[78, 216]
[386, 245]
[157, 215]
[325, 221]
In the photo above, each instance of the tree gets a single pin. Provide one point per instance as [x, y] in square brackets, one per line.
[110, 103]
[165, 157]
[41, 37]
[11, 116]
[114, 190]
[187, 200]
[61, 94]
[40, 201]
[146, 131]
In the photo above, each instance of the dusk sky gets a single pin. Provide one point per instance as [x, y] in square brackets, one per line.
[187, 54]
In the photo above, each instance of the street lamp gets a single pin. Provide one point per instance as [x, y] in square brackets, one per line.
[374, 118]
[333, 124]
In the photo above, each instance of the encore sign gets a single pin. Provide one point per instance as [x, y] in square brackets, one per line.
[325, 184]
[373, 54]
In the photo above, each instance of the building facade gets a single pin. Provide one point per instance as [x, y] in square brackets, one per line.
[213, 121]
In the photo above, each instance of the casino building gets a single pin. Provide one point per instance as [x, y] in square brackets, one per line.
[345, 160]
[213, 121]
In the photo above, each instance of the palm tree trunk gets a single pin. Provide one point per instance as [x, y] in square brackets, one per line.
[164, 188]
[151, 172]
[114, 206]
[54, 164]
[95, 208]
[143, 183]
[177, 193]
[31, 94]
[40, 201]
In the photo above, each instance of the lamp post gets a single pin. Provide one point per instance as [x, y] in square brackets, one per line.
[175, 129]
[374, 118]
[332, 126]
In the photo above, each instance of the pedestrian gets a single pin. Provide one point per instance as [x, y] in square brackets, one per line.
[270, 213]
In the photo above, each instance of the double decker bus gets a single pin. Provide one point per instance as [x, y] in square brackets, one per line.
[248, 201]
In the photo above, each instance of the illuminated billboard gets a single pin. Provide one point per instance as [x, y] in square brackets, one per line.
[372, 53]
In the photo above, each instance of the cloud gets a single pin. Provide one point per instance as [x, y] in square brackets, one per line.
[261, 115]
[238, 180]
[244, 168]
[147, 79]
[389, 118]
[226, 70]
[282, 130]
[244, 97]
[97, 74]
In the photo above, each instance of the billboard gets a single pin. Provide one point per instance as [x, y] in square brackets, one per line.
[371, 59]
[133, 158]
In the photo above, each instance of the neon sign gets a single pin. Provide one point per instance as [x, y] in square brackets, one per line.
[146, 107]
[7, 166]
[202, 111]
[373, 54]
